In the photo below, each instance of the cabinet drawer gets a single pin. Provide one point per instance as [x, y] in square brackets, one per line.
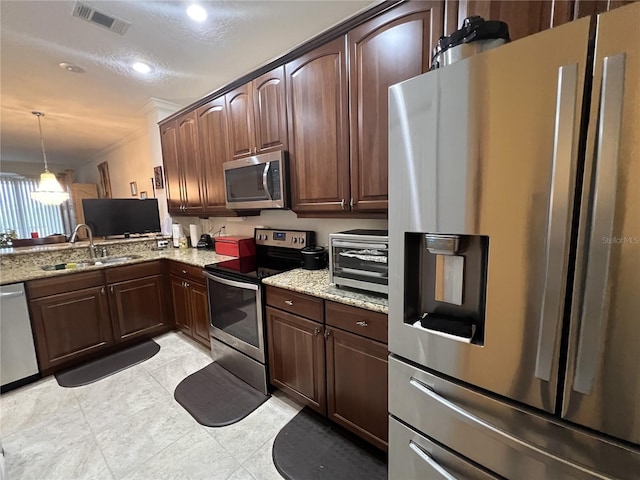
[64, 283]
[131, 272]
[294, 302]
[184, 270]
[357, 320]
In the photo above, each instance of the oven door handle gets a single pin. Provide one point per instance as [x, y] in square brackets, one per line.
[232, 283]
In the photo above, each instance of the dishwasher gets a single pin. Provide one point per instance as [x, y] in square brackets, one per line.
[17, 352]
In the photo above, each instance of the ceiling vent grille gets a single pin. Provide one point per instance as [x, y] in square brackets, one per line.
[90, 14]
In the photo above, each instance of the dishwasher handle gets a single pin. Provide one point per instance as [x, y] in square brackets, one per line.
[12, 294]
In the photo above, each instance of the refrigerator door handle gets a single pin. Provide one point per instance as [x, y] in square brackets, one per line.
[558, 219]
[471, 418]
[428, 459]
[595, 300]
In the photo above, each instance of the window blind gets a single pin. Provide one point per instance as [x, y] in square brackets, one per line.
[18, 212]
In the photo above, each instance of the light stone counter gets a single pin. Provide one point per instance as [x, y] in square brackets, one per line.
[316, 283]
[21, 267]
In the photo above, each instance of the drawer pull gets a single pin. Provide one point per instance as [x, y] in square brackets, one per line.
[288, 302]
[317, 331]
[327, 334]
[362, 324]
[184, 271]
[428, 459]
[102, 291]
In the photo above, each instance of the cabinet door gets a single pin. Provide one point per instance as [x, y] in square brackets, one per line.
[584, 8]
[137, 307]
[386, 50]
[523, 17]
[199, 308]
[296, 357]
[214, 151]
[357, 385]
[189, 163]
[240, 121]
[70, 326]
[172, 171]
[318, 129]
[180, 295]
[269, 106]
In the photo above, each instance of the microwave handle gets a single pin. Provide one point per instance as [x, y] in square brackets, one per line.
[265, 177]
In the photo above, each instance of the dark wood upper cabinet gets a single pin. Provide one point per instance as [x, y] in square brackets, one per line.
[137, 307]
[214, 151]
[357, 385]
[386, 50]
[270, 110]
[296, 357]
[241, 122]
[189, 163]
[318, 129]
[172, 166]
[70, 326]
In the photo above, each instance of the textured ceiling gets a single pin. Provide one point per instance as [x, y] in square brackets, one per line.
[85, 113]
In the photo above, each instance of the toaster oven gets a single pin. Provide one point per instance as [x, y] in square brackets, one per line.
[359, 259]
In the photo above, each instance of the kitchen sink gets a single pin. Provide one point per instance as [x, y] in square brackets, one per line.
[89, 263]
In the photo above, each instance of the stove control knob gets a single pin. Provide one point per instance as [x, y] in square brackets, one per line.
[301, 239]
[295, 239]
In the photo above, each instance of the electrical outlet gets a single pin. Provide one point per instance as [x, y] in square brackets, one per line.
[163, 243]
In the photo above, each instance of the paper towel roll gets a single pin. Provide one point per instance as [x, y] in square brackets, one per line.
[194, 232]
[176, 230]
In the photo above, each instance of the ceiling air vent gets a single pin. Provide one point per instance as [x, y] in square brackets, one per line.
[90, 14]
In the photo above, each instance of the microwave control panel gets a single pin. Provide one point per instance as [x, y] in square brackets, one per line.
[297, 239]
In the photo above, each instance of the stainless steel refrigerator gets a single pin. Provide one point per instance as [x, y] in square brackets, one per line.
[514, 254]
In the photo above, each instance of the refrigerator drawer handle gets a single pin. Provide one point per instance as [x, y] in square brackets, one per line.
[469, 417]
[595, 305]
[558, 219]
[428, 459]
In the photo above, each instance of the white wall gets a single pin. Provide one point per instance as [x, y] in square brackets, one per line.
[129, 160]
[30, 169]
[282, 219]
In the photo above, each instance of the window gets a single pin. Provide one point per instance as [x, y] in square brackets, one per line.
[18, 212]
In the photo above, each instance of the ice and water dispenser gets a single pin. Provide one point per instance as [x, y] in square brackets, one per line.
[445, 284]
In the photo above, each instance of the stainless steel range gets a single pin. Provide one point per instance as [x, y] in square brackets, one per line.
[237, 329]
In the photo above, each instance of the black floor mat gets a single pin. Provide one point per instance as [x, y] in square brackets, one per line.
[310, 447]
[105, 366]
[216, 397]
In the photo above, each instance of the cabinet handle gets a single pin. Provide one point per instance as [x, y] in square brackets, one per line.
[317, 331]
[352, 204]
[186, 284]
[111, 288]
[327, 334]
[288, 302]
[362, 324]
[342, 204]
[184, 271]
[102, 291]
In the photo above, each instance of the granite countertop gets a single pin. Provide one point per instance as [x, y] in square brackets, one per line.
[29, 271]
[57, 247]
[316, 283]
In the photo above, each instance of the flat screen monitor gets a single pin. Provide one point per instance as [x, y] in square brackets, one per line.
[121, 216]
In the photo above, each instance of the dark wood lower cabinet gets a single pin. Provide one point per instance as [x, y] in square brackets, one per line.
[357, 385]
[180, 295]
[137, 307]
[190, 304]
[200, 312]
[296, 357]
[70, 326]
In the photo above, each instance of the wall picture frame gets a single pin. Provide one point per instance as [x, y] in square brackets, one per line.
[158, 178]
[134, 188]
[143, 195]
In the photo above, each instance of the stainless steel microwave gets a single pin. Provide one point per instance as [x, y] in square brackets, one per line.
[256, 182]
[358, 259]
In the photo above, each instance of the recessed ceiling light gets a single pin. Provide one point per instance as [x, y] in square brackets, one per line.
[141, 67]
[197, 13]
[71, 67]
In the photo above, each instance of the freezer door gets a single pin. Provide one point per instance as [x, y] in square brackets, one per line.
[488, 147]
[511, 441]
[602, 386]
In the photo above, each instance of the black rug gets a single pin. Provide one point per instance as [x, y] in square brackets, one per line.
[310, 447]
[216, 397]
[108, 365]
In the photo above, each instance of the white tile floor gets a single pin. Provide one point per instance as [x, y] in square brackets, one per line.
[129, 426]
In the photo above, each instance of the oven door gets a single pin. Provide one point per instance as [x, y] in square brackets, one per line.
[235, 309]
[360, 264]
[255, 182]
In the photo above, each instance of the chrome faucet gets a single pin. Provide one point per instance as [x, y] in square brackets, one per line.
[74, 237]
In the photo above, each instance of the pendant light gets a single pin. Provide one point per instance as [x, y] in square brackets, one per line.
[49, 190]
